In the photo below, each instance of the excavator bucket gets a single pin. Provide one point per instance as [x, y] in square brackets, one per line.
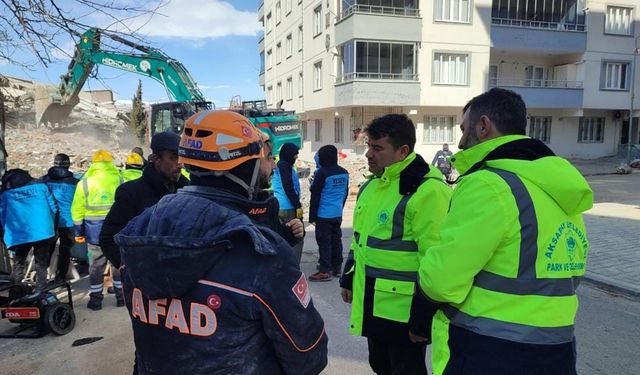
[47, 105]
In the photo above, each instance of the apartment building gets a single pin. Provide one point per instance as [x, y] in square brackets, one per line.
[341, 63]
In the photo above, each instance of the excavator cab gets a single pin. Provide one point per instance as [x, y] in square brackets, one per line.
[171, 116]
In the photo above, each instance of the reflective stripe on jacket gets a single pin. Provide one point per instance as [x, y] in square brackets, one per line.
[93, 198]
[391, 232]
[513, 246]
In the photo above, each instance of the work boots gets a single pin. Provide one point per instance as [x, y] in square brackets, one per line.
[95, 302]
[119, 296]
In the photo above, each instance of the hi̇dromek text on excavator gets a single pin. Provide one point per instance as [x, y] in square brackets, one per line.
[282, 126]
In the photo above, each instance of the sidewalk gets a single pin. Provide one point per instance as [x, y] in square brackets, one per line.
[613, 228]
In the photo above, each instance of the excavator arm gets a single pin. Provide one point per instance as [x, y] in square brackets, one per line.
[148, 61]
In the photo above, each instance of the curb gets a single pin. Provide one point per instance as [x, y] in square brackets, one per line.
[612, 285]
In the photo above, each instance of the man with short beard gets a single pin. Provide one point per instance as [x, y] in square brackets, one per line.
[160, 177]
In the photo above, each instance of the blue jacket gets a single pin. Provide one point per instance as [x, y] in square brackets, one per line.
[211, 292]
[27, 209]
[330, 186]
[285, 181]
[62, 185]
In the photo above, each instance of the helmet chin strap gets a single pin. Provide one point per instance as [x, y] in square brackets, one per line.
[251, 189]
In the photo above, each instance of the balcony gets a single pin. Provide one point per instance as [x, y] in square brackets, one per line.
[376, 76]
[541, 37]
[261, 78]
[261, 11]
[538, 93]
[261, 41]
[373, 90]
[377, 9]
[378, 23]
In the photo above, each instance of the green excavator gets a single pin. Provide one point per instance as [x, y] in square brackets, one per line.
[282, 126]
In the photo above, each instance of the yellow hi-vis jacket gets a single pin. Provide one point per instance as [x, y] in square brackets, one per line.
[94, 196]
[512, 250]
[391, 233]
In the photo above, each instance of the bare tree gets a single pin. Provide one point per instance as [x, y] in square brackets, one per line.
[41, 27]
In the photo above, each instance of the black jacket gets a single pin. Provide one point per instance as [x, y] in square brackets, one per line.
[131, 199]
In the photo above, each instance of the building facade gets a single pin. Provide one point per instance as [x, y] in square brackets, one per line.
[341, 63]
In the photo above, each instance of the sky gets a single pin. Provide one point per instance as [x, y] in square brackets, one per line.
[215, 40]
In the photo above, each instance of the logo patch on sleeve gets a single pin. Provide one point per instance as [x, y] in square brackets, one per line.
[301, 291]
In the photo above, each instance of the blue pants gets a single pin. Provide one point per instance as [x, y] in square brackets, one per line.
[329, 239]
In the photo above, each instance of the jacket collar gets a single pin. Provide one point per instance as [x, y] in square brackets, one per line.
[158, 182]
[465, 159]
[392, 171]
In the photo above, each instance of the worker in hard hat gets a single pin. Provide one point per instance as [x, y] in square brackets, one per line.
[91, 202]
[211, 289]
[133, 167]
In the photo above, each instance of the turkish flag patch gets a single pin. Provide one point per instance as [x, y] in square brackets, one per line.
[301, 291]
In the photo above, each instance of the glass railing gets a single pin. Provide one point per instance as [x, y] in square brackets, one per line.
[377, 9]
[539, 24]
[542, 83]
[377, 76]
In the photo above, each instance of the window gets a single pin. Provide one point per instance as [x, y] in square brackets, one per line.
[269, 59]
[614, 75]
[618, 21]
[450, 69]
[534, 76]
[289, 88]
[269, 23]
[453, 10]
[303, 130]
[300, 85]
[540, 128]
[278, 53]
[262, 62]
[317, 76]
[591, 130]
[338, 130]
[317, 21]
[493, 75]
[438, 129]
[287, 7]
[387, 7]
[376, 60]
[289, 46]
[270, 95]
[300, 38]
[539, 14]
[318, 130]
[278, 13]
[278, 94]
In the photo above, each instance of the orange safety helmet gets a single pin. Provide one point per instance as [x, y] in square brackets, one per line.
[219, 141]
[102, 155]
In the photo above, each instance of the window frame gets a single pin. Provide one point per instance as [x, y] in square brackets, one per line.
[338, 130]
[452, 119]
[604, 72]
[591, 119]
[631, 21]
[269, 59]
[317, 21]
[317, 128]
[300, 84]
[278, 53]
[278, 13]
[289, 88]
[289, 45]
[317, 76]
[469, 11]
[531, 127]
[451, 53]
[300, 37]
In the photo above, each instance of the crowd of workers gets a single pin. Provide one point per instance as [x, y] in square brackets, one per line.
[209, 268]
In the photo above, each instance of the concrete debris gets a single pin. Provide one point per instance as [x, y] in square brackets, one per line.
[623, 169]
[91, 126]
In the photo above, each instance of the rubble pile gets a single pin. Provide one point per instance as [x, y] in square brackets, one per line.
[90, 126]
